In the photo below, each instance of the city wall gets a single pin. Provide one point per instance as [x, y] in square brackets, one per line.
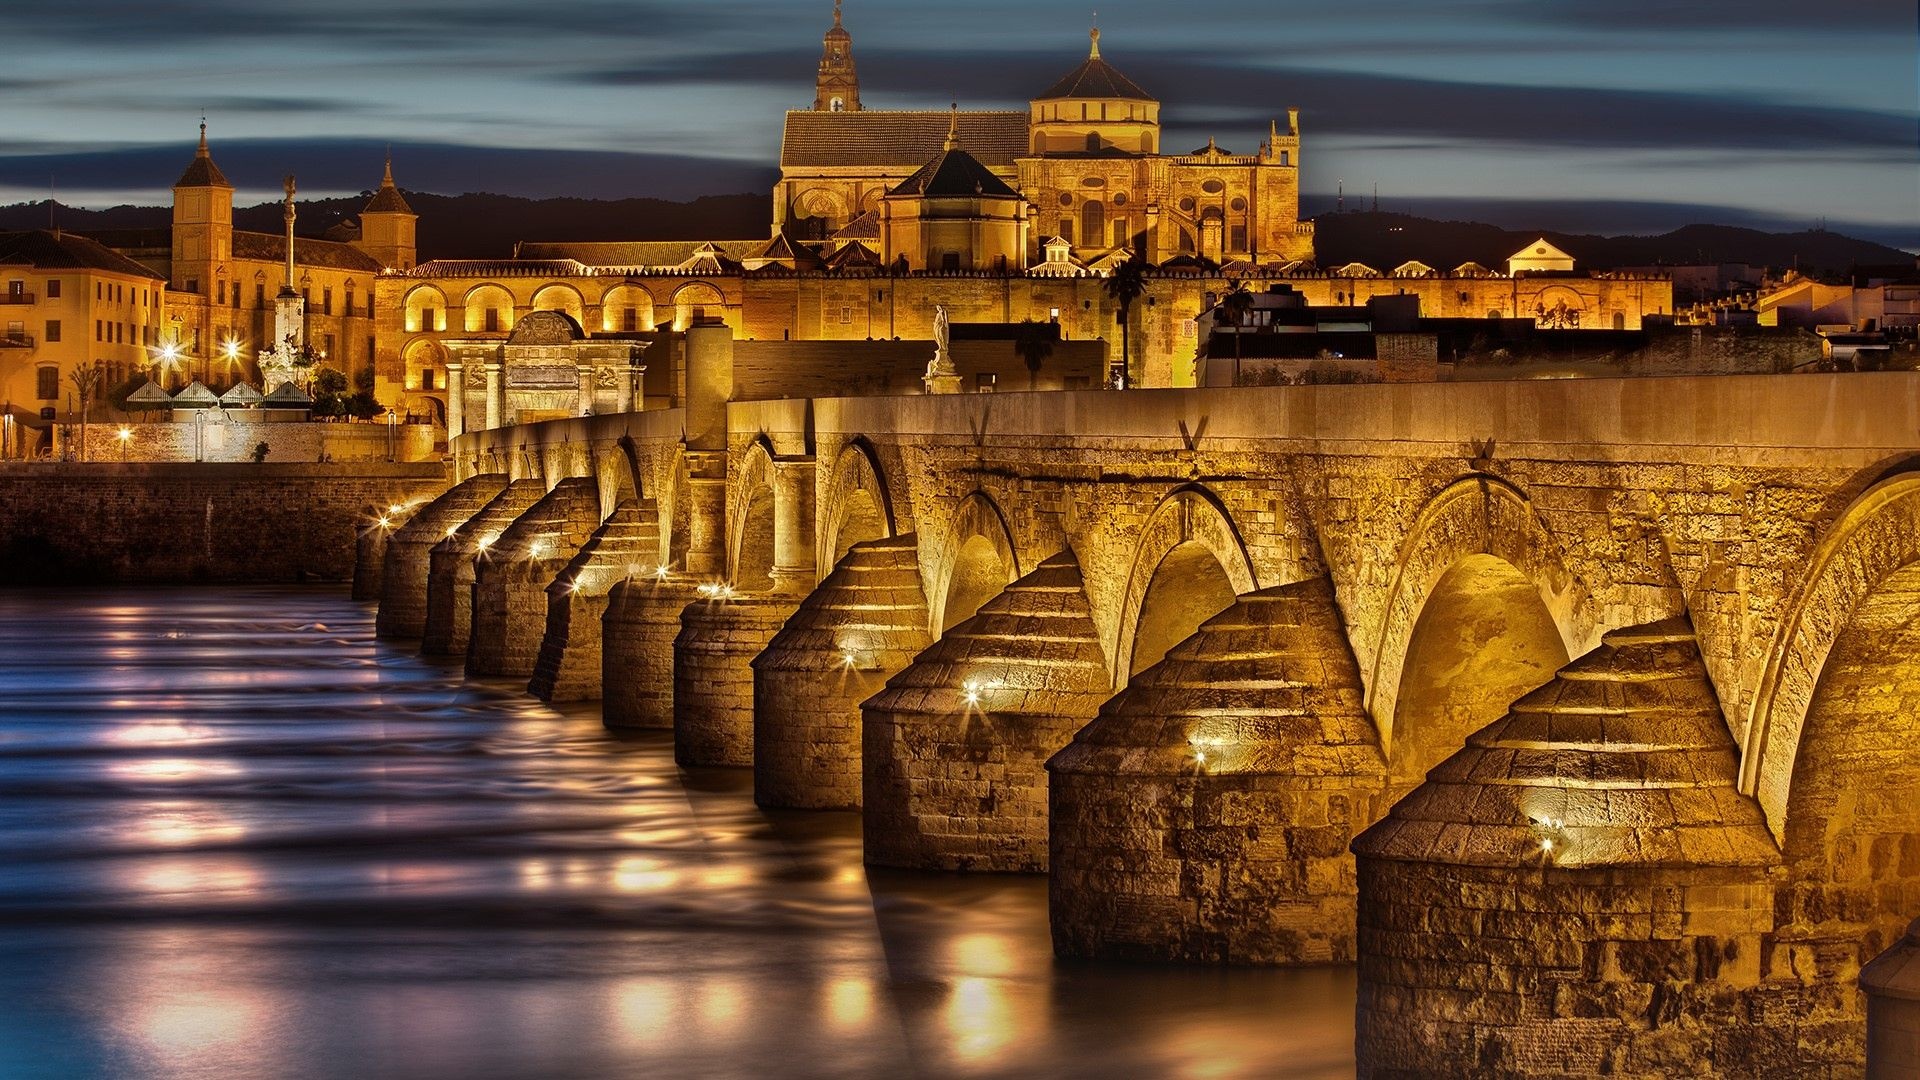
[153, 523]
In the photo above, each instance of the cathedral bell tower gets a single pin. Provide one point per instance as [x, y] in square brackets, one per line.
[838, 87]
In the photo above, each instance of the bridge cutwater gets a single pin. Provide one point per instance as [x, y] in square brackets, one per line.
[1579, 714]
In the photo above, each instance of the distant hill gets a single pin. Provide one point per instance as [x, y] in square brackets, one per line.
[1384, 241]
[465, 226]
[487, 226]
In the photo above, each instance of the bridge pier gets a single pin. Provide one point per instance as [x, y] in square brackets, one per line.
[403, 574]
[370, 546]
[637, 635]
[451, 570]
[1581, 891]
[861, 626]
[954, 749]
[713, 673]
[627, 545]
[1205, 814]
[510, 586]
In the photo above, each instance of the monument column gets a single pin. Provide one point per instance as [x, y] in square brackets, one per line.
[456, 399]
[942, 377]
[496, 395]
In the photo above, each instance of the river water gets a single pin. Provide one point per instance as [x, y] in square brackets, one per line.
[243, 839]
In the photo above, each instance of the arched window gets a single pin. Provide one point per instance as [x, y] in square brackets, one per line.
[1093, 224]
[838, 105]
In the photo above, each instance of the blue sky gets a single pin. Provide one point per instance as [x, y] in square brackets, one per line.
[1629, 115]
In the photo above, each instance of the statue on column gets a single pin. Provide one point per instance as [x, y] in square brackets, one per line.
[942, 377]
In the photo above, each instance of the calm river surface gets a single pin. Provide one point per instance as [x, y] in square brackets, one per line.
[239, 838]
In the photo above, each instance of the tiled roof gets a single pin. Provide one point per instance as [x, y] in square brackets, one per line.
[1095, 79]
[902, 139]
[660, 253]
[954, 173]
[267, 247]
[458, 268]
[202, 172]
[864, 227]
[46, 250]
[387, 201]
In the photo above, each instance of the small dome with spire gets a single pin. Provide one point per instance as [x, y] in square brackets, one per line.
[203, 172]
[1095, 78]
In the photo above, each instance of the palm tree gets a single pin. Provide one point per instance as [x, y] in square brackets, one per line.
[1125, 285]
[1034, 342]
[1235, 307]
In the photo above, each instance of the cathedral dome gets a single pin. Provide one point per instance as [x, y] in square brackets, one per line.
[1095, 78]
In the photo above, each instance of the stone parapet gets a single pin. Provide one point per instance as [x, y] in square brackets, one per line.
[637, 635]
[860, 627]
[1205, 814]
[954, 748]
[403, 576]
[1580, 891]
[450, 568]
[510, 586]
[713, 674]
[627, 545]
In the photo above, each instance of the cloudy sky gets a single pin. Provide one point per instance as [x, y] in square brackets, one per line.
[1627, 115]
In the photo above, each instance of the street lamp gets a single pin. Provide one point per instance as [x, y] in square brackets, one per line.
[391, 421]
[125, 435]
[230, 352]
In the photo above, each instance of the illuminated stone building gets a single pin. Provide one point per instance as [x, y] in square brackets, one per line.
[1086, 156]
[67, 302]
[880, 216]
[222, 281]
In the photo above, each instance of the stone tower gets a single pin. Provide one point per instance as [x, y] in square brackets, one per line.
[838, 87]
[202, 224]
[387, 226]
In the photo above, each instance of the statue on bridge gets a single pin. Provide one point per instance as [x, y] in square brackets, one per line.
[942, 377]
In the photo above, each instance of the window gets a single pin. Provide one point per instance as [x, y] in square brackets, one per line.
[193, 285]
[491, 323]
[328, 351]
[48, 383]
[236, 296]
[53, 331]
[53, 288]
[220, 292]
[839, 105]
[259, 294]
[99, 330]
[630, 319]
[1093, 224]
[326, 301]
[1285, 158]
[429, 319]
[983, 382]
[426, 378]
[949, 260]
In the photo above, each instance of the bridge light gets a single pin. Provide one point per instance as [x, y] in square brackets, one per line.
[972, 689]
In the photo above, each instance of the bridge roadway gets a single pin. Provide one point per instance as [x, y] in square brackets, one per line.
[1580, 714]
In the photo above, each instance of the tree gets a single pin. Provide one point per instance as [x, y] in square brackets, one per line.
[1034, 342]
[1124, 285]
[86, 383]
[1235, 307]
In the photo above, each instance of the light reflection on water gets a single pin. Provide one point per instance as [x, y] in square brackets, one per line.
[245, 840]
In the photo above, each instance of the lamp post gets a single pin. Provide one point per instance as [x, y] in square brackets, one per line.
[391, 421]
[199, 435]
[230, 352]
[125, 435]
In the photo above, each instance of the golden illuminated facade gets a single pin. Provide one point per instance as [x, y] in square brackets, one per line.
[222, 281]
[1086, 156]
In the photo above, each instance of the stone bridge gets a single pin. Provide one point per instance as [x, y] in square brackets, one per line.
[1581, 714]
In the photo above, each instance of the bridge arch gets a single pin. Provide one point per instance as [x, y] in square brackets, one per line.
[858, 507]
[1856, 575]
[750, 512]
[981, 562]
[1834, 747]
[1188, 566]
[616, 469]
[1481, 609]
